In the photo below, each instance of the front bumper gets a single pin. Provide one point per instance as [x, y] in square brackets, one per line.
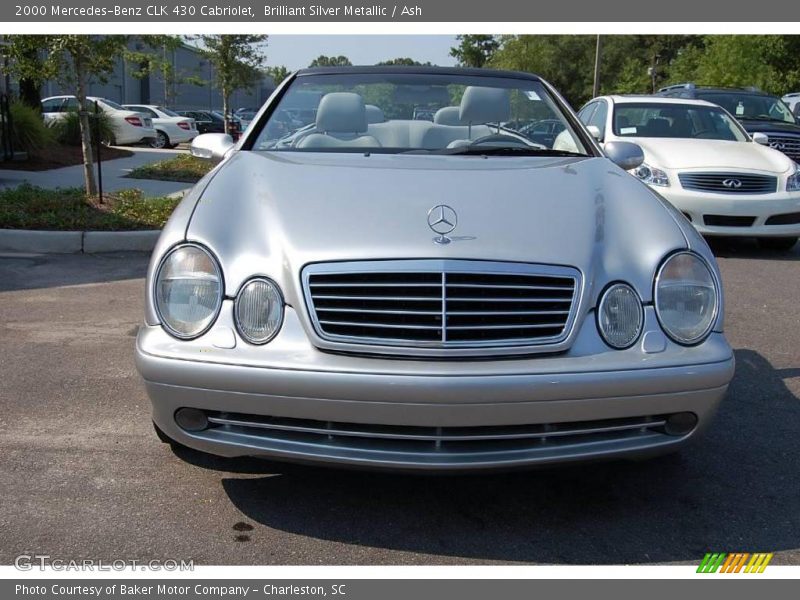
[272, 401]
[750, 212]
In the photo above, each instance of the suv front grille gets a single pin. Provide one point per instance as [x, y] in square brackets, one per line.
[441, 303]
[790, 146]
[729, 183]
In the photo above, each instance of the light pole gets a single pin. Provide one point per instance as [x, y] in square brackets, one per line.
[597, 57]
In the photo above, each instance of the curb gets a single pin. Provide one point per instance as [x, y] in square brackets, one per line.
[73, 242]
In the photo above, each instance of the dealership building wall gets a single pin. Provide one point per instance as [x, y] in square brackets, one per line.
[124, 88]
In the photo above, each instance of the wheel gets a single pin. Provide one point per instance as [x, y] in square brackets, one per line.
[160, 141]
[781, 244]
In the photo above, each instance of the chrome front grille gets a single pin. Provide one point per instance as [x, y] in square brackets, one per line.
[789, 145]
[729, 183]
[441, 303]
[422, 444]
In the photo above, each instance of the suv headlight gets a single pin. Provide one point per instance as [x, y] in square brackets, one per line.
[188, 291]
[686, 298]
[258, 310]
[793, 183]
[651, 175]
[619, 316]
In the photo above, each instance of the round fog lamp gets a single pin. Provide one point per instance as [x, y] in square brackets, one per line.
[619, 316]
[258, 310]
[680, 423]
[191, 419]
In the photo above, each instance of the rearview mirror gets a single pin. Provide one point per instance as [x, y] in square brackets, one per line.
[625, 155]
[213, 146]
[761, 138]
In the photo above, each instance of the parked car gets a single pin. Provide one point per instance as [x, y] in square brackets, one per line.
[413, 295]
[130, 127]
[793, 102]
[700, 158]
[209, 121]
[757, 111]
[245, 115]
[543, 131]
[171, 128]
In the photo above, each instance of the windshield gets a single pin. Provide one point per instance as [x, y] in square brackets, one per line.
[751, 106]
[168, 112]
[419, 113]
[643, 119]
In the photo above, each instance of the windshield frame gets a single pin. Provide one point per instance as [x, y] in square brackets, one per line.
[248, 141]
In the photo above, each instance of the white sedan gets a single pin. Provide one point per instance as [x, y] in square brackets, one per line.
[130, 127]
[704, 163]
[171, 128]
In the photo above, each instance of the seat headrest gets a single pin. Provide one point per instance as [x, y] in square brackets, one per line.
[341, 112]
[374, 114]
[485, 105]
[449, 115]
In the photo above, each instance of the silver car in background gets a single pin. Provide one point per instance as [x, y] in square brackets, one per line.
[362, 288]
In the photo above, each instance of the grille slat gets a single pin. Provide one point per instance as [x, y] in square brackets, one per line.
[446, 304]
[715, 182]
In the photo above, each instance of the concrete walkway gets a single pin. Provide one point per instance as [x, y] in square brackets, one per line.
[114, 172]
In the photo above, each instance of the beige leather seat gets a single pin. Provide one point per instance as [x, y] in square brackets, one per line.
[341, 123]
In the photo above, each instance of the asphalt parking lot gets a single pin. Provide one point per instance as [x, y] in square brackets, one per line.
[83, 475]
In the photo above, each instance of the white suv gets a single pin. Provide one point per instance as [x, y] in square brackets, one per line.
[130, 127]
[698, 157]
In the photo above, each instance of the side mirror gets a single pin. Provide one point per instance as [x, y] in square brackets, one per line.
[761, 138]
[595, 131]
[625, 155]
[213, 146]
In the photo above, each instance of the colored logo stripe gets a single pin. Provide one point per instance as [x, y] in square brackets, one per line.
[734, 562]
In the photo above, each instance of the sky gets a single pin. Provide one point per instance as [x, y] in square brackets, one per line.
[297, 51]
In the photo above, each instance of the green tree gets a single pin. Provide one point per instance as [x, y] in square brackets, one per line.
[237, 62]
[25, 59]
[77, 60]
[153, 54]
[769, 62]
[474, 50]
[330, 61]
[278, 73]
[405, 62]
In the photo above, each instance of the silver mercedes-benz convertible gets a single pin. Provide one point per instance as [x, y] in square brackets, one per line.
[357, 284]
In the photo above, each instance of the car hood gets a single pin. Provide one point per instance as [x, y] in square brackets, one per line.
[273, 213]
[671, 153]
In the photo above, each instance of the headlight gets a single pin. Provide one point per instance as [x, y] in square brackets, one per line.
[651, 175]
[619, 316]
[686, 298]
[188, 291]
[259, 310]
[793, 183]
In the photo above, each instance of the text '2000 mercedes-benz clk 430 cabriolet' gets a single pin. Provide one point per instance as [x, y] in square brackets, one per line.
[392, 268]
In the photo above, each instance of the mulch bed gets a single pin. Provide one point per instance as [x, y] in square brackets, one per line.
[58, 156]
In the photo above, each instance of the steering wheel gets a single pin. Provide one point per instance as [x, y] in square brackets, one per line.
[504, 139]
[703, 133]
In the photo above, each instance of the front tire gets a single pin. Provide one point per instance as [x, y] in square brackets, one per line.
[779, 244]
[160, 141]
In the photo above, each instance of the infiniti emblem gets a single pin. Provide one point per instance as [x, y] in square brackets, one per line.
[777, 146]
[442, 219]
[732, 183]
